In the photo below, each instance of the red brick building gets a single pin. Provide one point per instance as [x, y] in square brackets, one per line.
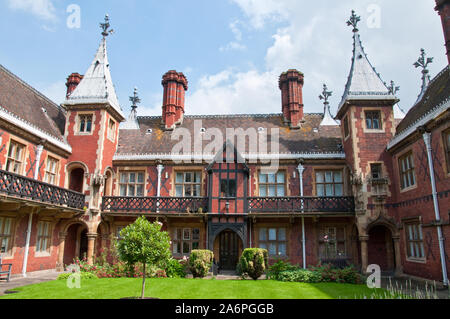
[363, 188]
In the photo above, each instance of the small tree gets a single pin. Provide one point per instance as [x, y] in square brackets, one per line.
[144, 242]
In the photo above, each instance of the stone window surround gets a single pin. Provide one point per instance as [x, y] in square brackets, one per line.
[406, 222]
[397, 163]
[77, 123]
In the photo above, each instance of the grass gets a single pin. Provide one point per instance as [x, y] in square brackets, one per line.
[190, 289]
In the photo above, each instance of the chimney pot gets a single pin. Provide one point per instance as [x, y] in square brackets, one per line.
[291, 86]
[72, 82]
[175, 85]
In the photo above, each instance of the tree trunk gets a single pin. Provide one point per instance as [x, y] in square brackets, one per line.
[143, 284]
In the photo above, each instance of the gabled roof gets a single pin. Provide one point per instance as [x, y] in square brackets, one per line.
[152, 139]
[96, 87]
[436, 94]
[224, 155]
[364, 83]
[31, 110]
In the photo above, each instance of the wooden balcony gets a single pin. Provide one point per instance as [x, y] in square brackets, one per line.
[301, 205]
[256, 205]
[186, 205]
[17, 186]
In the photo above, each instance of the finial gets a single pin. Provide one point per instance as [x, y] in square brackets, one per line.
[325, 94]
[393, 89]
[135, 99]
[105, 27]
[423, 62]
[353, 21]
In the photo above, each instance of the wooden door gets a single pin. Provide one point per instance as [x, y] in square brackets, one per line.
[229, 250]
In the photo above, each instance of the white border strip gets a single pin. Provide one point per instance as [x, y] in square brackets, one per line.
[15, 120]
[433, 114]
[198, 157]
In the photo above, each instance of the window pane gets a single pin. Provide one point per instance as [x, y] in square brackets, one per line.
[338, 177]
[262, 178]
[186, 248]
[329, 177]
[280, 178]
[175, 249]
[140, 191]
[196, 234]
[272, 234]
[320, 190]
[195, 245]
[132, 177]
[123, 178]
[131, 190]
[271, 178]
[282, 234]
[272, 249]
[272, 191]
[338, 190]
[123, 190]
[188, 178]
[320, 178]
[140, 177]
[263, 246]
[280, 191]
[263, 190]
[179, 191]
[329, 190]
[263, 234]
[282, 250]
[198, 177]
[7, 228]
[179, 178]
[186, 234]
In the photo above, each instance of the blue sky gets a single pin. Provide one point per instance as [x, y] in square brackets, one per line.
[232, 51]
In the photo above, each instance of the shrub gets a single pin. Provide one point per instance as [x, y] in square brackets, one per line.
[175, 269]
[277, 268]
[84, 276]
[299, 275]
[200, 262]
[347, 275]
[253, 262]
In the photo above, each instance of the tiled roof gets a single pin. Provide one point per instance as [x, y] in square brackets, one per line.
[311, 138]
[96, 85]
[22, 101]
[438, 92]
[364, 83]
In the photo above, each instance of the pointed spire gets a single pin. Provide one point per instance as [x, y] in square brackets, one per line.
[135, 100]
[328, 119]
[364, 82]
[132, 122]
[423, 63]
[97, 87]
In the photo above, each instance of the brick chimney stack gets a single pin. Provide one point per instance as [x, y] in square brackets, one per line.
[443, 7]
[291, 86]
[175, 85]
[72, 82]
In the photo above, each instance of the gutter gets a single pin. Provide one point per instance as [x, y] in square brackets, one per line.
[301, 170]
[427, 140]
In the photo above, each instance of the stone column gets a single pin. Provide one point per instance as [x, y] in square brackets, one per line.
[398, 257]
[62, 243]
[364, 253]
[91, 244]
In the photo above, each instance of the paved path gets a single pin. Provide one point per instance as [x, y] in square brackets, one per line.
[33, 278]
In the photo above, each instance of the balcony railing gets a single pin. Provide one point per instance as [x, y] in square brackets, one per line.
[154, 204]
[24, 187]
[301, 204]
[255, 204]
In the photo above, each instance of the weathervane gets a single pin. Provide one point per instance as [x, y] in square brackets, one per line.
[354, 19]
[135, 99]
[105, 27]
[325, 94]
[393, 89]
[423, 62]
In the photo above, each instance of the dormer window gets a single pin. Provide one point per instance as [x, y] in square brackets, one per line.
[373, 120]
[85, 123]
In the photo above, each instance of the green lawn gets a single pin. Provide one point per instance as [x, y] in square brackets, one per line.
[190, 289]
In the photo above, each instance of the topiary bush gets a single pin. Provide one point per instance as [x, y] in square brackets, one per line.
[200, 262]
[253, 262]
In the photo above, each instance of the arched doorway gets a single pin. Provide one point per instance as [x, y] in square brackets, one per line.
[76, 179]
[381, 248]
[228, 248]
[76, 243]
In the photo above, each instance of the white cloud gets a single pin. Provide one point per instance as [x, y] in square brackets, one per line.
[261, 11]
[234, 45]
[43, 9]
